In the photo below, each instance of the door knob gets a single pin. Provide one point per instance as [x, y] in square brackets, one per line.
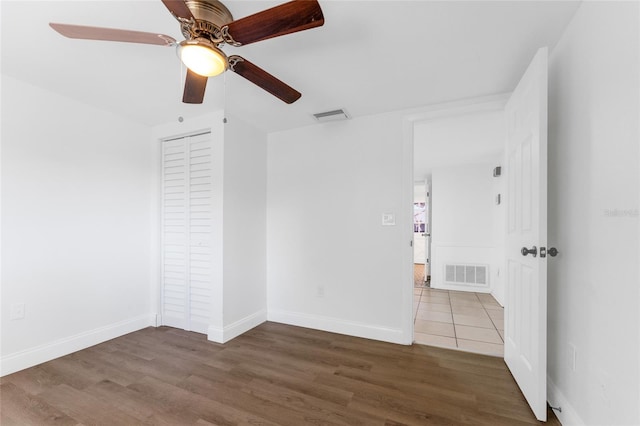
[553, 252]
[532, 251]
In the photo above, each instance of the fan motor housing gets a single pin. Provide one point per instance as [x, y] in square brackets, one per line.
[211, 11]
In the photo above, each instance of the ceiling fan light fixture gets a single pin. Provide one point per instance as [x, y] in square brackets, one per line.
[202, 57]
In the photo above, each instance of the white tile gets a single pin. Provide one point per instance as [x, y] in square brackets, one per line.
[464, 298]
[492, 304]
[478, 334]
[434, 327]
[498, 323]
[469, 310]
[431, 340]
[434, 299]
[472, 321]
[436, 307]
[466, 303]
[436, 291]
[495, 312]
[481, 347]
[434, 316]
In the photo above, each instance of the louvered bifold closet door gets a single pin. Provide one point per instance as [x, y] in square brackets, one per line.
[187, 232]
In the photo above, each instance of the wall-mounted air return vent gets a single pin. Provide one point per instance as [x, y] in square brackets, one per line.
[335, 115]
[466, 274]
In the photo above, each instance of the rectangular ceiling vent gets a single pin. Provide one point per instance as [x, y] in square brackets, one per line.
[335, 115]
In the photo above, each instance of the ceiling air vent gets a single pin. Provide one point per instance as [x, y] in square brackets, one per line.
[335, 115]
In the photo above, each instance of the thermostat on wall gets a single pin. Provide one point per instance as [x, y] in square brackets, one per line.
[388, 219]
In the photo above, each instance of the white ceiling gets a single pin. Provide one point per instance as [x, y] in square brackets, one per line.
[369, 57]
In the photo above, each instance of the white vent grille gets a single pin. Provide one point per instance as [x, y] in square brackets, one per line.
[466, 274]
[335, 115]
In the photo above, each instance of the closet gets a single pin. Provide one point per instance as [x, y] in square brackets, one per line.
[186, 232]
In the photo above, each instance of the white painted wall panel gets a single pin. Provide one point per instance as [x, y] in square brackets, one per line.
[245, 226]
[463, 219]
[76, 208]
[330, 263]
[594, 186]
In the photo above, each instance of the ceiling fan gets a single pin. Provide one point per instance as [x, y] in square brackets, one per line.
[207, 25]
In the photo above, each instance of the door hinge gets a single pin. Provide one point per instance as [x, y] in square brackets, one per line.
[411, 243]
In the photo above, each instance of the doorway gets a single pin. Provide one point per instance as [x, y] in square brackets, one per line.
[456, 160]
[421, 235]
[524, 116]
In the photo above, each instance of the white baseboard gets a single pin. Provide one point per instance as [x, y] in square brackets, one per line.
[29, 357]
[568, 416]
[335, 325]
[231, 331]
[498, 298]
[461, 287]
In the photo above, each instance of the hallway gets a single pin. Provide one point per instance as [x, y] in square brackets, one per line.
[466, 321]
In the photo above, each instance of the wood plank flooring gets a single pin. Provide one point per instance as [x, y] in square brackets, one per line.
[274, 374]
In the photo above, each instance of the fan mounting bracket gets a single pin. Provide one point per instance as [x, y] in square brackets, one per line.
[233, 60]
[224, 33]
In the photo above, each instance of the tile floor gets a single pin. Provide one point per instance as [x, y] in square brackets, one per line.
[472, 322]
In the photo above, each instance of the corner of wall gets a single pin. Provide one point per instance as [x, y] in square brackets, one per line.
[231, 331]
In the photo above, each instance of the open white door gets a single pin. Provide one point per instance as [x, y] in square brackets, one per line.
[525, 346]
[427, 230]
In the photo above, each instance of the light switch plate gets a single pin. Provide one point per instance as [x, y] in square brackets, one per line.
[17, 311]
[388, 219]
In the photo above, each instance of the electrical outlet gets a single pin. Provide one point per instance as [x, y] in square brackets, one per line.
[320, 291]
[17, 311]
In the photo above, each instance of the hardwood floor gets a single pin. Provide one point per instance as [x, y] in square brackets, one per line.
[272, 375]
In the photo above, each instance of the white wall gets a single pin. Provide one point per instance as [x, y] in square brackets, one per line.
[463, 214]
[76, 208]
[245, 227]
[593, 217]
[331, 265]
[499, 186]
[420, 242]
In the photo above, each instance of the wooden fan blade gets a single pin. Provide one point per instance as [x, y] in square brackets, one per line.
[263, 79]
[178, 9]
[194, 87]
[111, 34]
[297, 15]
